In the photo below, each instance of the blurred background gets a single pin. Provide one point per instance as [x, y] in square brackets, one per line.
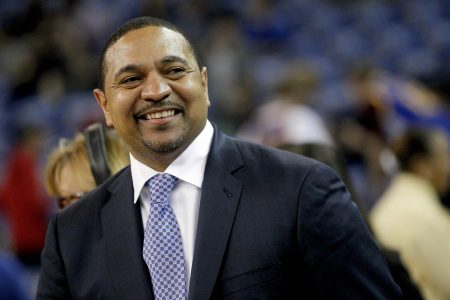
[353, 75]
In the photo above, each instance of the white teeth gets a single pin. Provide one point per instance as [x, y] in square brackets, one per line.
[159, 115]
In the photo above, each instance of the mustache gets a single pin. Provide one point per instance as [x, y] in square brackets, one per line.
[160, 104]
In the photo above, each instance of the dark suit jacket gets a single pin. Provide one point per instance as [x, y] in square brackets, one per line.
[272, 225]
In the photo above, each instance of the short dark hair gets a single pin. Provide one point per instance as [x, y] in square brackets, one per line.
[417, 142]
[134, 24]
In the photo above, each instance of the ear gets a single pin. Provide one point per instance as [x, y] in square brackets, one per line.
[204, 78]
[103, 102]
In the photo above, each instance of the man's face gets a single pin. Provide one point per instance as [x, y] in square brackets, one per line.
[155, 95]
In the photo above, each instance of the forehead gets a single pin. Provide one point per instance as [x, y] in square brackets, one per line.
[147, 43]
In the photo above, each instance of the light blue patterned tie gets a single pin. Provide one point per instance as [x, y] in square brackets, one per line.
[163, 246]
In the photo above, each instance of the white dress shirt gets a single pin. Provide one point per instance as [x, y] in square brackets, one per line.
[189, 168]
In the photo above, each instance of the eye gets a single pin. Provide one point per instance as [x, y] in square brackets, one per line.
[176, 71]
[130, 79]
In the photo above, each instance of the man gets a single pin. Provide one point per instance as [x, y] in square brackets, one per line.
[255, 223]
[409, 217]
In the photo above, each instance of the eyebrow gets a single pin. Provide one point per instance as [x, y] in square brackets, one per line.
[173, 58]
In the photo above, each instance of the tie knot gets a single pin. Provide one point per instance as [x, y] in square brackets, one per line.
[160, 187]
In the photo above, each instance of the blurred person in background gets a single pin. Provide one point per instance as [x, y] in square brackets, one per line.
[23, 201]
[73, 168]
[409, 217]
[361, 133]
[384, 107]
[287, 118]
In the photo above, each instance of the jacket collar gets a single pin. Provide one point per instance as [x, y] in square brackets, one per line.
[221, 193]
[123, 241]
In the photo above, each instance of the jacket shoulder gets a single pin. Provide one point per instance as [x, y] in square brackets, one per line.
[90, 204]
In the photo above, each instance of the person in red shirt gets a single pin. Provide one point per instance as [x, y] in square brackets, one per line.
[22, 199]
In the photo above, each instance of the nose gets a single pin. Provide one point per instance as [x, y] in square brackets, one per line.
[155, 88]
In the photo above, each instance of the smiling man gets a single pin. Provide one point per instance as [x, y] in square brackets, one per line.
[154, 93]
[199, 214]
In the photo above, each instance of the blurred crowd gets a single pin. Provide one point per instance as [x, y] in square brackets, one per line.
[353, 75]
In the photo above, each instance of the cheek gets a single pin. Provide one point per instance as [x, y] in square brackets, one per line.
[120, 105]
[195, 96]
[190, 89]
[199, 109]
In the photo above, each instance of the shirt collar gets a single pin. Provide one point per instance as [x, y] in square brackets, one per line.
[188, 167]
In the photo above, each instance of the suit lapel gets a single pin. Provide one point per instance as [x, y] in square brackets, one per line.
[219, 201]
[123, 236]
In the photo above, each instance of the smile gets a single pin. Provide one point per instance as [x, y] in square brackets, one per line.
[159, 115]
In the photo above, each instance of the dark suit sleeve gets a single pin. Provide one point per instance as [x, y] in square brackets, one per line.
[340, 256]
[52, 279]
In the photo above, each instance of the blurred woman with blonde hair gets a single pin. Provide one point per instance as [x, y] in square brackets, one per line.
[77, 166]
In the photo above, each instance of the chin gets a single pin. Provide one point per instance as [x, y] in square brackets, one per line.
[165, 146]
